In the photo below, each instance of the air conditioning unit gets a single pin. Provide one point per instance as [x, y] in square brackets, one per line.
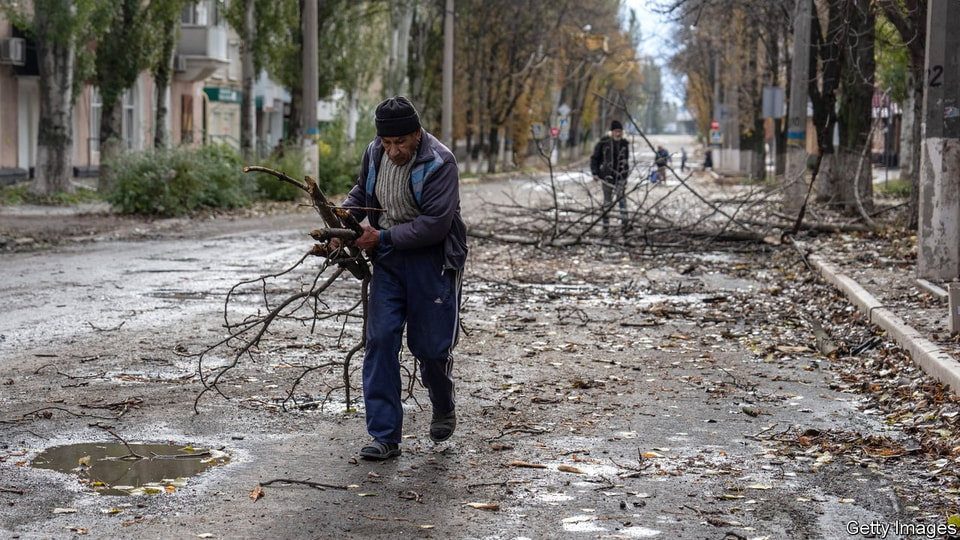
[13, 51]
[179, 63]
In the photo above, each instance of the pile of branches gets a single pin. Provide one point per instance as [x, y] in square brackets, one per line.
[687, 211]
[306, 306]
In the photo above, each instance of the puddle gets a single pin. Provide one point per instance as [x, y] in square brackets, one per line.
[113, 468]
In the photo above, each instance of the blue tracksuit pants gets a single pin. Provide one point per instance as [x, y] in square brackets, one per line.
[409, 289]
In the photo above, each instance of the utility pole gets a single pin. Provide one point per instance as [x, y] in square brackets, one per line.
[938, 241]
[795, 185]
[447, 108]
[311, 87]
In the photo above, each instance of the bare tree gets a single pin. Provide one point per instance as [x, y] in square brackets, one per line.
[909, 17]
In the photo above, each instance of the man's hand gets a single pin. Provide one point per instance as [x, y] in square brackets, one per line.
[366, 241]
[369, 239]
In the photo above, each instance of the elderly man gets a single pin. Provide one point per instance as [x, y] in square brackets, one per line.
[408, 190]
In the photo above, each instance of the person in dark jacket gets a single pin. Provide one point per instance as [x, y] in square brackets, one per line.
[661, 160]
[408, 190]
[610, 165]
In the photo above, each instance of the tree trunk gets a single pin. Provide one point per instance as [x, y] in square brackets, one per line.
[856, 106]
[491, 150]
[247, 105]
[910, 148]
[111, 141]
[162, 75]
[401, 19]
[353, 116]
[55, 55]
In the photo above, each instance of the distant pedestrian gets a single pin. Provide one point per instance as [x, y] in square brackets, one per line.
[662, 157]
[683, 159]
[610, 165]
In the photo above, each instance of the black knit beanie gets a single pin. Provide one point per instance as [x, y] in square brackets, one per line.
[396, 116]
[615, 125]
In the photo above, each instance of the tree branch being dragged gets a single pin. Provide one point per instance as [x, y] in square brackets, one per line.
[307, 307]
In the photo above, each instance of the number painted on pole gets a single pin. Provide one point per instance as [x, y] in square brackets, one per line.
[934, 75]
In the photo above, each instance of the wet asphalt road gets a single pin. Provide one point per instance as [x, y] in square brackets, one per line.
[630, 431]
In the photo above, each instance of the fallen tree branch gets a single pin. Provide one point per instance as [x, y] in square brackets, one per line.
[317, 485]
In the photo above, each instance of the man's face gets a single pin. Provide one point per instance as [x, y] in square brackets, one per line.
[617, 134]
[400, 149]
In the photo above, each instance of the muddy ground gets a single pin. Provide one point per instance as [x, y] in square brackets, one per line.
[604, 392]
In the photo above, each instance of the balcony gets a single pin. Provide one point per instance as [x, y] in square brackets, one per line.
[202, 51]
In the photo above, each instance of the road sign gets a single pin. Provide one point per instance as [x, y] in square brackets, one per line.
[774, 105]
[714, 125]
[554, 132]
[538, 130]
[716, 136]
[564, 122]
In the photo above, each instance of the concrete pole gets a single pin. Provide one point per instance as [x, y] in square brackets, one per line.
[311, 86]
[716, 149]
[795, 184]
[938, 242]
[447, 127]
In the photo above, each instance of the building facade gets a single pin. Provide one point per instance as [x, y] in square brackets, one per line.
[202, 102]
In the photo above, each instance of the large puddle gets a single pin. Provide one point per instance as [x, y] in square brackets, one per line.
[113, 468]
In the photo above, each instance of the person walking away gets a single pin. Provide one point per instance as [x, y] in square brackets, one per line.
[662, 157]
[408, 190]
[683, 159]
[610, 165]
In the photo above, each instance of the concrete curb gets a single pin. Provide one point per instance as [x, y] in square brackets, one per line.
[924, 352]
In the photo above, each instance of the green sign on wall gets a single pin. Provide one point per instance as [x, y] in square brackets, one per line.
[225, 95]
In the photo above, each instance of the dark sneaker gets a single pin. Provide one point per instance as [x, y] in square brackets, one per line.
[442, 426]
[380, 450]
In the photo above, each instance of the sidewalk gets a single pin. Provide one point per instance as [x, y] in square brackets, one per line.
[937, 362]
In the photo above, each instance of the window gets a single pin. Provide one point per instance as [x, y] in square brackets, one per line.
[204, 13]
[129, 120]
[96, 111]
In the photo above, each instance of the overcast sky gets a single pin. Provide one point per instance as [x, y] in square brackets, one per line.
[653, 45]
[649, 22]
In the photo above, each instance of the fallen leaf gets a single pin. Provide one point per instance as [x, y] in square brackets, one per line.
[64, 510]
[410, 495]
[483, 506]
[526, 464]
[579, 519]
[788, 348]
[569, 469]
[205, 535]
[257, 493]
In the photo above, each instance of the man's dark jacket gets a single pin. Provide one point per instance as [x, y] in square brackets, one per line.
[611, 159]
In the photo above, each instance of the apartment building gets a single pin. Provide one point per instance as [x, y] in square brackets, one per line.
[203, 100]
